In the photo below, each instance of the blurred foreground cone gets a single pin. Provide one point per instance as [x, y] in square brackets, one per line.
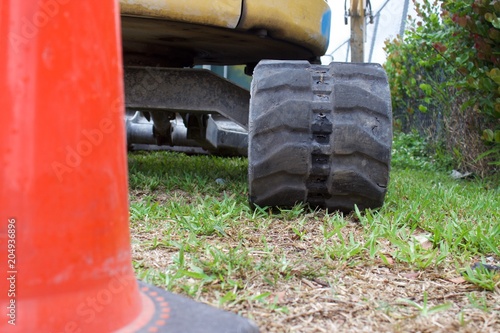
[64, 241]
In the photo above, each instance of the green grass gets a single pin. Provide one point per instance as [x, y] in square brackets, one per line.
[193, 232]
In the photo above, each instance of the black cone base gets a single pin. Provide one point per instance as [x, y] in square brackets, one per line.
[167, 312]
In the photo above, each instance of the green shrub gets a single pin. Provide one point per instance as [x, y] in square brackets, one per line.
[447, 66]
[411, 151]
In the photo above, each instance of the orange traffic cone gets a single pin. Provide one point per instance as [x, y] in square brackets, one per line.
[64, 239]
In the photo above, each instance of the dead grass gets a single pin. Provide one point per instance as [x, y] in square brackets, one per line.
[291, 272]
[463, 136]
[322, 294]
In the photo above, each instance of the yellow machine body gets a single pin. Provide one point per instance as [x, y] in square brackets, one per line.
[223, 31]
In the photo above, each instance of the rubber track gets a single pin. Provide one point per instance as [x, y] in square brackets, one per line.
[319, 134]
[321, 129]
[279, 130]
[363, 90]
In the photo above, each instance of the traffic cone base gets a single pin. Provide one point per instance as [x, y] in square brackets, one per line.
[163, 311]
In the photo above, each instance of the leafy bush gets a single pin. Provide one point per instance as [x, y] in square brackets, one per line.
[411, 151]
[447, 66]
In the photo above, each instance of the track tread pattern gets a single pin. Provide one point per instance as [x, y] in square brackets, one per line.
[319, 134]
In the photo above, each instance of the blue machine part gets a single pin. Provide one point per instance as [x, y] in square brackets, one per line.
[326, 23]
